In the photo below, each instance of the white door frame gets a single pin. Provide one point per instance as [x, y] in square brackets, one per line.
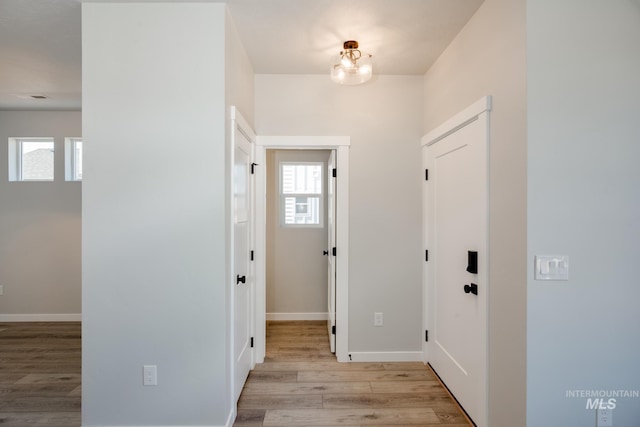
[341, 145]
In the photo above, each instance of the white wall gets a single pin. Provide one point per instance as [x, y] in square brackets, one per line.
[383, 119]
[488, 58]
[296, 271]
[39, 226]
[583, 201]
[239, 83]
[154, 214]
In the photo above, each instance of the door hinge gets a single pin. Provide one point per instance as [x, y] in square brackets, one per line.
[426, 174]
[253, 168]
[426, 336]
[333, 330]
[334, 172]
[251, 255]
[333, 251]
[426, 255]
[251, 342]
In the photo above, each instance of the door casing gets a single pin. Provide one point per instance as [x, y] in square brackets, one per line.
[341, 145]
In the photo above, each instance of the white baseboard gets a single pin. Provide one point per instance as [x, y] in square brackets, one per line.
[232, 417]
[297, 316]
[41, 317]
[386, 356]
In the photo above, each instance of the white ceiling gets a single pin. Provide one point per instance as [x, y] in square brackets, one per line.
[40, 47]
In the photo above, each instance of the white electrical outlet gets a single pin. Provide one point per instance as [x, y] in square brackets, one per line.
[149, 375]
[377, 319]
[604, 417]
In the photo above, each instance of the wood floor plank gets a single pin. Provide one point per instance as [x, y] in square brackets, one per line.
[272, 376]
[12, 390]
[348, 417]
[450, 414]
[48, 419]
[249, 418]
[307, 388]
[425, 386]
[328, 376]
[318, 366]
[50, 378]
[389, 400]
[10, 377]
[41, 404]
[404, 366]
[280, 401]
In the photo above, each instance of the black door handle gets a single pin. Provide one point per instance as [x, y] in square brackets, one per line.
[240, 279]
[472, 288]
[325, 253]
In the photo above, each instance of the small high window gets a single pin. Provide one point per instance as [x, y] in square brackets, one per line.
[73, 159]
[301, 194]
[31, 159]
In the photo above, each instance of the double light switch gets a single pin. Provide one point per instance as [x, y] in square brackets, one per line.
[552, 267]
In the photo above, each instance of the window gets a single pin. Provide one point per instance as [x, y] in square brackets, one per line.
[31, 159]
[301, 194]
[73, 159]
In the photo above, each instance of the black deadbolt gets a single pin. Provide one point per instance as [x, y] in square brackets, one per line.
[472, 288]
[472, 262]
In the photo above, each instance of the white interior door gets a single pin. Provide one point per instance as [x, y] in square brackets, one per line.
[243, 282]
[331, 229]
[457, 291]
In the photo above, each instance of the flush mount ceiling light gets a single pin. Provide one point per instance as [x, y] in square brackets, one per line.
[351, 67]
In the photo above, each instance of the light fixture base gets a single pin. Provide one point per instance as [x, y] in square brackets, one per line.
[350, 44]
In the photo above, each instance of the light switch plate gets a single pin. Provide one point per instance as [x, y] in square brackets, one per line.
[551, 267]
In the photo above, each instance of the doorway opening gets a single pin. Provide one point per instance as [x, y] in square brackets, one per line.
[292, 235]
[297, 255]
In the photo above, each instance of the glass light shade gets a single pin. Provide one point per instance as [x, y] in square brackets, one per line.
[346, 72]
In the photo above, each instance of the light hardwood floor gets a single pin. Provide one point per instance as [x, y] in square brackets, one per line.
[40, 374]
[301, 384]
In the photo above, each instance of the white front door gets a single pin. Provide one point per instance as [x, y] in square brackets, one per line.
[243, 279]
[331, 229]
[457, 278]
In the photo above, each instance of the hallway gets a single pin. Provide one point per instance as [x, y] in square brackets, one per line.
[301, 384]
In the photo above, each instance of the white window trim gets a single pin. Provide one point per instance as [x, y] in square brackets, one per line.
[320, 196]
[70, 158]
[15, 158]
